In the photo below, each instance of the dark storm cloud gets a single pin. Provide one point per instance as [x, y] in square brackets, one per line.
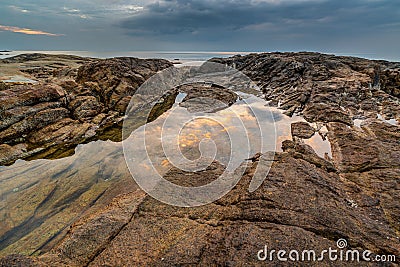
[369, 28]
[309, 23]
[175, 16]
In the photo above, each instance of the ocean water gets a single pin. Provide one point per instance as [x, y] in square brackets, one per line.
[183, 56]
[173, 56]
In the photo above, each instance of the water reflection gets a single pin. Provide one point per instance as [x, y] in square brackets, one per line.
[42, 197]
[192, 141]
[18, 79]
[319, 141]
[359, 122]
[390, 121]
[39, 198]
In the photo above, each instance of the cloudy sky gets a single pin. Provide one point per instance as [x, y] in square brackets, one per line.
[369, 28]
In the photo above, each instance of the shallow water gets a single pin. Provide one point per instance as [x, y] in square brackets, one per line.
[212, 126]
[41, 197]
[19, 79]
[172, 55]
[390, 121]
[358, 122]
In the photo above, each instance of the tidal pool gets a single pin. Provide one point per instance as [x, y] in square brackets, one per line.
[41, 198]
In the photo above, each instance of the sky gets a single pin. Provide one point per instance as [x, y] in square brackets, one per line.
[366, 28]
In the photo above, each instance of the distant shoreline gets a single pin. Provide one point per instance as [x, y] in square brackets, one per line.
[172, 56]
[183, 56]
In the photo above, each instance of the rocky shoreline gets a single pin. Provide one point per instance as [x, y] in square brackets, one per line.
[69, 105]
[307, 201]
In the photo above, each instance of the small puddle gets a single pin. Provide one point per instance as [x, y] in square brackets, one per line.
[358, 122]
[19, 79]
[321, 145]
[180, 98]
[391, 121]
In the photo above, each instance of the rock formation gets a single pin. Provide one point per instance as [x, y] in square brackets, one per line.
[302, 130]
[306, 202]
[69, 106]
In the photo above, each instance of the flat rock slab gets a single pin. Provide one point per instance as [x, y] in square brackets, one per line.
[302, 130]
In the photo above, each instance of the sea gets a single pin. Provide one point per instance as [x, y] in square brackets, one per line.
[183, 57]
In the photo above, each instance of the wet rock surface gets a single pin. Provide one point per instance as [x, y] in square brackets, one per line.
[206, 98]
[324, 87]
[306, 202]
[302, 130]
[301, 205]
[69, 106]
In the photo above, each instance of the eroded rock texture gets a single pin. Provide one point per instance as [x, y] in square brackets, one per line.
[69, 106]
[306, 202]
[323, 87]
